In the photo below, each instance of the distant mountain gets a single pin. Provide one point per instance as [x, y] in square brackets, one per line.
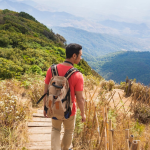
[51, 17]
[96, 44]
[123, 25]
[64, 19]
[46, 17]
[131, 29]
[118, 66]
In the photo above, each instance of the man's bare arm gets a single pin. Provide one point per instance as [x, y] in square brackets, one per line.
[44, 100]
[80, 102]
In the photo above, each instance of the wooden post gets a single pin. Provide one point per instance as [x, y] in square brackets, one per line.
[107, 127]
[127, 139]
[105, 124]
[102, 131]
[98, 129]
[127, 133]
[130, 140]
[138, 147]
[134, 145]
[127, 144]
[110, 135]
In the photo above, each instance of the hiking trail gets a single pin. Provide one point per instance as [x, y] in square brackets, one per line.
[39, 130]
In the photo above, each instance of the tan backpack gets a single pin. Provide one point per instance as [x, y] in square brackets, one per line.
[58, 99]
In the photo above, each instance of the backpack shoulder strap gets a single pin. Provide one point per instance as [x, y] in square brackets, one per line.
[54, 70]
[70, 72]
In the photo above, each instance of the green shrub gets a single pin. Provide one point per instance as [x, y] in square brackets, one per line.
[27, 16]
[9, 69]
[35, 69]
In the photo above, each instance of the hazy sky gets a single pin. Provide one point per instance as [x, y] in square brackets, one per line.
[126, 9]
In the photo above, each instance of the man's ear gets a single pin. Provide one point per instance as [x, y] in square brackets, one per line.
[74, 56]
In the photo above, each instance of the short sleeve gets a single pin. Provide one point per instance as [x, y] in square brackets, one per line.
[80, 82]
[48, 76]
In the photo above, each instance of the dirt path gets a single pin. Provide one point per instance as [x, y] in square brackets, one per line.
[118, 99]
[39, 129]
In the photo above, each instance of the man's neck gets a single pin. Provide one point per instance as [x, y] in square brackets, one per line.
[68, 62]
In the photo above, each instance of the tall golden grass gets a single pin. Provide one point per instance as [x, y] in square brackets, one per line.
[92, 134]
[17, 96]
[13, 114]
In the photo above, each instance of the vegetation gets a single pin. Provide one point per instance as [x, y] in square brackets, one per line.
[13, 114]
[92, 135]
[27, 49]
[111, 56]
[26, 53]
[117, 66]
[27, 46]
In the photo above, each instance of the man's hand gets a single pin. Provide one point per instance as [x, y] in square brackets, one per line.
[44, 112]
[83, 118]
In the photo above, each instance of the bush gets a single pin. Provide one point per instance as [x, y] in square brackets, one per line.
[110, 85]
[36, 89]
[35, 86]
[103, 84]
[9, 69]
[91, 81]
[142, 113]
[140, 91]
[35, 69]
[27, 16]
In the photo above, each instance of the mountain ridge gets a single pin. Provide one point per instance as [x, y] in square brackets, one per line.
[117, 66]
[67, 19]
[27, 46]
[100, 44]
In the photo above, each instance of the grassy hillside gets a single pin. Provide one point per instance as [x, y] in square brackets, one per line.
[118, 66]
[27, 46]
[96, 44]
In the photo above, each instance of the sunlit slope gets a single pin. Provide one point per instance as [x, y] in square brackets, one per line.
[28, 46]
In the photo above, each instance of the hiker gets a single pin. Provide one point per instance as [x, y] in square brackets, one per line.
[73, 56]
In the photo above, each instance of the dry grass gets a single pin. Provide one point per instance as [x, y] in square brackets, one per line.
[141, 92]
[34, 85]
[107, 85]
[16, 101]
[13, 114]
[90, 135]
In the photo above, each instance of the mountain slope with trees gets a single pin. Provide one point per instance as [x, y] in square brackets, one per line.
[96, 44]
[27, 46]
[117, 66]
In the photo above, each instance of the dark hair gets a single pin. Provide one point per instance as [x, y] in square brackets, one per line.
[72, 48]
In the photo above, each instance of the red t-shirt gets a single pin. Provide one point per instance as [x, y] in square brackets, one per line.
[75, 82]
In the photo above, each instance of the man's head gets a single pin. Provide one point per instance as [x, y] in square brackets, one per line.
[74, 51]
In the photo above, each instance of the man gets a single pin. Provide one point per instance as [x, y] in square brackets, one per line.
[73, 56]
